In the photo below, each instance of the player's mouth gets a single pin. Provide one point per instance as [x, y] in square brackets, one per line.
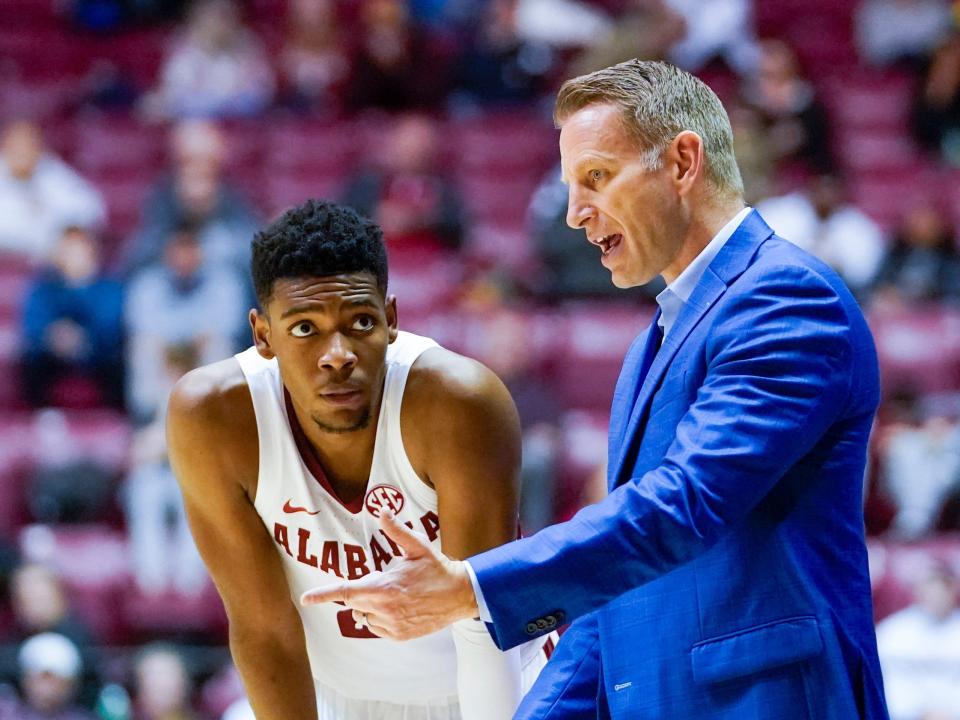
[343, 397]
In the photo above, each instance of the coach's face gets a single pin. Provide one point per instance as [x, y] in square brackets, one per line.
[634, 215]
[330, 336]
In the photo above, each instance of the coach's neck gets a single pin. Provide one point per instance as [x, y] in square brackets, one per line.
[706, 214]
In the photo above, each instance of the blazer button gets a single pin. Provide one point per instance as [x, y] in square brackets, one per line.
[532, 628]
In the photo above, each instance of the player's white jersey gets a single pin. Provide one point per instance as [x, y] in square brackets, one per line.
[315, 534]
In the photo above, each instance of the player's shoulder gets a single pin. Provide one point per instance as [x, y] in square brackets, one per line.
[212, 397]
[441, 375]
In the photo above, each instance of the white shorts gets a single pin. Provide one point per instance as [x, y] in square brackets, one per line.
[331, 705]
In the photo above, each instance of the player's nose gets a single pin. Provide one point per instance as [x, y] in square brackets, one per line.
[338, 354]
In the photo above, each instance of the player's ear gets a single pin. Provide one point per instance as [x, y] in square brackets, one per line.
[390, 308]
[261, 334]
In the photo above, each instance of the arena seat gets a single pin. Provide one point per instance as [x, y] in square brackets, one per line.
[498, 198]
[896, 566]
[583, 450]
[503, 141]
[305, 146]
[146, 615]
[919, 349]
[594, 339]
[118, 145]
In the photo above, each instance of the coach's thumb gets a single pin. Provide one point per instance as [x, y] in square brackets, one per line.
[412, 544]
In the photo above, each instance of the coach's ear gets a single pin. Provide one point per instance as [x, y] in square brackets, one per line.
[390, 308]
[261, 334]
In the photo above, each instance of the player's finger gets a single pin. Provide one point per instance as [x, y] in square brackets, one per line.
[412, 544]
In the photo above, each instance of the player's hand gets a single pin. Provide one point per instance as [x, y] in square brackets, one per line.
[422, 591]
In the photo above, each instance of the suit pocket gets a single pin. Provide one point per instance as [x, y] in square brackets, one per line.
[755, 650]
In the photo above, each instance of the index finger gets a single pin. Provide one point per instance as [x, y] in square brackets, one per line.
[349, 592]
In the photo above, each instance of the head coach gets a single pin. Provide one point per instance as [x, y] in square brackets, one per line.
[725, 574]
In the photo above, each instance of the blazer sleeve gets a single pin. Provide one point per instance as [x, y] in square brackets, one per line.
[568, 686]
[778, 376]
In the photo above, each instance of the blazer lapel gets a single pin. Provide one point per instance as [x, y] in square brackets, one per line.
[635, 366]
[732, 260]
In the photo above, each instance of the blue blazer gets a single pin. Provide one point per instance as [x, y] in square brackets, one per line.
[725, 575]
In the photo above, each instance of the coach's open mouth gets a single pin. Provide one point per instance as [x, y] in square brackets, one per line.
[609, 242]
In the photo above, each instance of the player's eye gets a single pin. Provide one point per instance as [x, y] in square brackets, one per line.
[303, 329]
[363, 323]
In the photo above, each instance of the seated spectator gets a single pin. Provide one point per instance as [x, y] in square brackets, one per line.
[161, 546]
[184, 300]
[50, 666]
[217, 68]
[561, 24]
[919, 466]
[936, 115]
[894, 31]
[396, 65]
[716, 29]
[819, 220]
[72, 322]
[646, 31]
[411, 198]
[571, 266]
[40, 605]
[40, 195]
[162, 685]
[499, 67]
[920, 651]
[922, 265]
[314, 62]
[196, 192]
[793, 118]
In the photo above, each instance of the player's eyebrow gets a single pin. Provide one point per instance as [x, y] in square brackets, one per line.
[299, 309]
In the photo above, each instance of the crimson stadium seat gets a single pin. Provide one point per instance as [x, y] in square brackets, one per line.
[896, 566]
[919, 349]
[595, 338]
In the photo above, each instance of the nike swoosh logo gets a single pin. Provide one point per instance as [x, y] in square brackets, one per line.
[290, 509]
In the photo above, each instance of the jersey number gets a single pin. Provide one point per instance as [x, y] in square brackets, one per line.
[349, 629]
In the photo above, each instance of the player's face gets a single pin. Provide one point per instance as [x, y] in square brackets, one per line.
[631, 213]
[330, 336]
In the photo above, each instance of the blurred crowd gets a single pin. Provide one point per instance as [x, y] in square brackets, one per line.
[139, 157]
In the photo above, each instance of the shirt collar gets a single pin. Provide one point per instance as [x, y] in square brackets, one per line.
[672, 299]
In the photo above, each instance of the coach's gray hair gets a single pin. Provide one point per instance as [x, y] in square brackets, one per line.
[658, 102]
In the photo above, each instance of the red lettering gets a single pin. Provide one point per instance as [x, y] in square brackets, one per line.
[330, 558]
[302, 550]
[431, 525]
[380, 556]
[282, 537]
[394, 548]
[356, 562]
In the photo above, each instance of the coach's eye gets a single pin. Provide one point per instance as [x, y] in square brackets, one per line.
[596, 175]
[303, 329]
[363, 323]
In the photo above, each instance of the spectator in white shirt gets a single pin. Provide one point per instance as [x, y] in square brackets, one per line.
[888, 31]
[920, 651]
[40, 195]
[818, 220]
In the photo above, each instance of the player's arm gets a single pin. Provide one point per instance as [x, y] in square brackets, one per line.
[211, 430]
[470, 436]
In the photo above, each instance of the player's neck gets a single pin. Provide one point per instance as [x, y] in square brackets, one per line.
[346, 457]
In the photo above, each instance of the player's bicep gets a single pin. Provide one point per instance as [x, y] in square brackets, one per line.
[475, 467]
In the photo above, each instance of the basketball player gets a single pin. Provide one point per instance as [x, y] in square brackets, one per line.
[288, 453]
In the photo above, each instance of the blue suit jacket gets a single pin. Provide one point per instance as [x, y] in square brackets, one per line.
[725, 575]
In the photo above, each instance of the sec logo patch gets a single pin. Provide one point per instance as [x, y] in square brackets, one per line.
[383, 496]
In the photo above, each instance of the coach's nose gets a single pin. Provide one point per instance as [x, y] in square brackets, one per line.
[579, 209]
[338, 355]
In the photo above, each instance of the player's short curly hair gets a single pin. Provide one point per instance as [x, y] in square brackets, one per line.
[316, 239]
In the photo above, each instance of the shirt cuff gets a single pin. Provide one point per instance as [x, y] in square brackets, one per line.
[478, 593]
